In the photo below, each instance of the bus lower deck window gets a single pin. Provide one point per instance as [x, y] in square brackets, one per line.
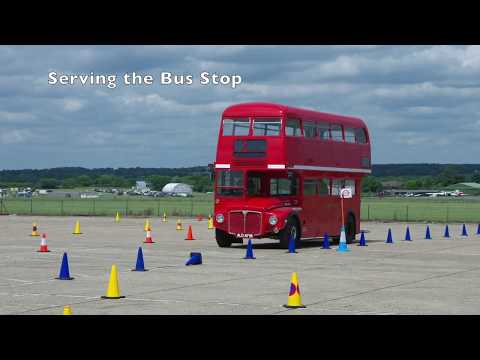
[309, 187]
[254, 184]
[324, 187]
[350, 184]
[338, 184]
[283, 186]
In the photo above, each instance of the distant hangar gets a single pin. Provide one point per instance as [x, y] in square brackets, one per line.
[178, 189]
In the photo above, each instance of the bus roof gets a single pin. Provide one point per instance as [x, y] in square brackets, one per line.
[272, 109]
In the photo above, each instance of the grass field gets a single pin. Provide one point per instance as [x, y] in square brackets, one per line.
[422, 209]
[386, 209]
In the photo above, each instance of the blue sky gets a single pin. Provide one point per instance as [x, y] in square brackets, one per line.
[421, 103]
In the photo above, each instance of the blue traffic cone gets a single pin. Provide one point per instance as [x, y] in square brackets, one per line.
[427, 233]
[389, 237]
[342, 246]
[464, 230]
[407, 235]
[326, 242]
[478, 229]
[195, 259]
[140, 266]
[362, 242]
[446, 234]
[64, 272]
[249, 254]
[291, 245]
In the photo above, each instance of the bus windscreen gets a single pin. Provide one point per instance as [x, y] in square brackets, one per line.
[230, 183]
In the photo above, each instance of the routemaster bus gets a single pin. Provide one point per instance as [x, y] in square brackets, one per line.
[279, 171]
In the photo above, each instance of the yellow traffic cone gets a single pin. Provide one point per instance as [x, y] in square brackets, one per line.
[294, 298]
[117, 217]
[164, 217]
[210, 223]
[67, 310]
[179, 225]
[113, 291]
[146, 225]
[35, 230]
[76, 231]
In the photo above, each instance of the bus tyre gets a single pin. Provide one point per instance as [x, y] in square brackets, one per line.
[350, 229]
[223, 239]
[290, 229]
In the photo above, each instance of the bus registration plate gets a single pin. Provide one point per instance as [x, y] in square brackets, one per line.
[245, 236]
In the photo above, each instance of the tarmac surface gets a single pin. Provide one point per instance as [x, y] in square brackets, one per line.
[438, 276]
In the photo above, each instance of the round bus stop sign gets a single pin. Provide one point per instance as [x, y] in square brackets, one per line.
[346, 193]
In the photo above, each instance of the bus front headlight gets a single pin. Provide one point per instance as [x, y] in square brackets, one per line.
[219, 218]
[272, 220]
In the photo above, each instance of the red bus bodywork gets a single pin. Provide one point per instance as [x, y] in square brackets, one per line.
[265, 171]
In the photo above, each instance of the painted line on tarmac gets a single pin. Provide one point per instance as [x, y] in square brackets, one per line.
[90, 299]
[18, 280]
[29, 282]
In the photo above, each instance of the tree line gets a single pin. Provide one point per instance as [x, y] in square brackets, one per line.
[409, 176]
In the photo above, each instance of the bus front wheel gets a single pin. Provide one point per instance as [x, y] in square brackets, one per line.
[223, 239]
[291, 229]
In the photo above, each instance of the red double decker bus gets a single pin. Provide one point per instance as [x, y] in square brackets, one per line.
[279, 171]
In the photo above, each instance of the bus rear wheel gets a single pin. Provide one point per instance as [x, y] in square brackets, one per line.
[291, 229]
[223, 239]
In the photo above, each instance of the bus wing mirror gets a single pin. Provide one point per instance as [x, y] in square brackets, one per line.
[211, 171]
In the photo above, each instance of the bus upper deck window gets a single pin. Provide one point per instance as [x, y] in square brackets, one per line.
[236, 127]
[292, 128]
[349, 135]
[323, 131]
[309, 129]
[336, 132]
[266, 126]
[360, 137]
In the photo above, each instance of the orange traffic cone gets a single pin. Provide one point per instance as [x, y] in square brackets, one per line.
[199, 217]
[43, 244]
[189, 234]
[148, 238]
[35, 230]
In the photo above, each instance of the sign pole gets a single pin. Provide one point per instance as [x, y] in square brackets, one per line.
[341, 203]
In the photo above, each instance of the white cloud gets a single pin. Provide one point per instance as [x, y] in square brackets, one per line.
[15, 117]
[73, 105]
[15, 136]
